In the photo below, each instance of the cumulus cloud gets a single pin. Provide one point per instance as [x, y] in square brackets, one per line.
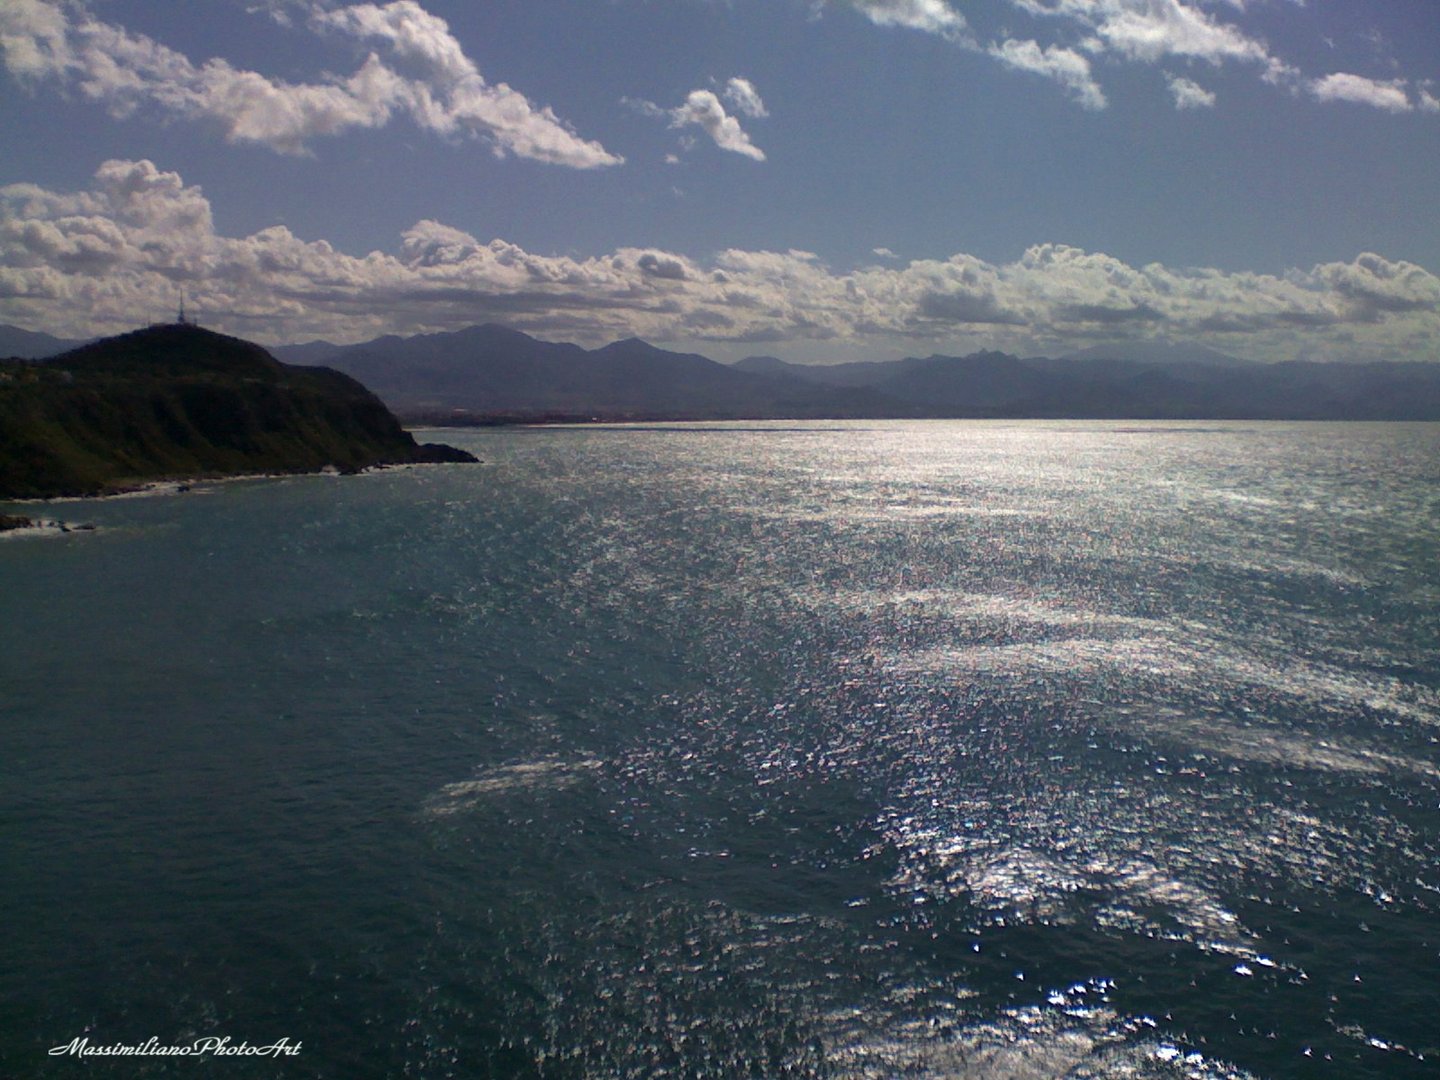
[1189, 94]
[704, 109]
[1341, 86]
[45, 40]
[98, 260]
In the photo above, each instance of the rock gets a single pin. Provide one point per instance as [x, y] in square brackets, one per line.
[439, 454]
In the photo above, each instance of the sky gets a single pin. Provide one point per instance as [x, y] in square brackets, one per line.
[820, 180]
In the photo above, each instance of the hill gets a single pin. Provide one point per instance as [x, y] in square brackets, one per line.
[177, 401]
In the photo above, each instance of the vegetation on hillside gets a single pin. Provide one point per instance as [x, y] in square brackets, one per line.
[178, 401]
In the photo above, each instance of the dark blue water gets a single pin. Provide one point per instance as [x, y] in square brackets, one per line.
[932, 749]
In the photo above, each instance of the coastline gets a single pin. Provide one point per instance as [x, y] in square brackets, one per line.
[201, 484]
[17, 526]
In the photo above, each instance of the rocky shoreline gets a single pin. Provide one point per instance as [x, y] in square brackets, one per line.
[11, 524]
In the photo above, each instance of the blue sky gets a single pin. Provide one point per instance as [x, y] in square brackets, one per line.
[816, 179]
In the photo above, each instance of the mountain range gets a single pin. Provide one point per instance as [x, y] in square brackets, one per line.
[494, 371]
[491, 373]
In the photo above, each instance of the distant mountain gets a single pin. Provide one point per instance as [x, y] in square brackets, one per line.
[178, 401]
[492, 373]
[492, 370]
[1171, 382]
[310, 354]
[857, 373]
[31, 345]
[763, 365]
[978, 384]
[1159, 353]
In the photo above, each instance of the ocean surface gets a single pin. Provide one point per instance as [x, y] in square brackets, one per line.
[935, 749]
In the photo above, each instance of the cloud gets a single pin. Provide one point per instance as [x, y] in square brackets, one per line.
[660, 265]
[971, 308]
[1189, 94]
[703, 109]
[1065, 66]
[1151, 30]
[741, 94]
[1109, 316]
[43, 40]
[34, 36]
[930, 16]
[1341, 86]
[1138, 31]
[99, 260]
[1374, 286]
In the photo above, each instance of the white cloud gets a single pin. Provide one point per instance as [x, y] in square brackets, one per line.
[741, 94]
[99, 260]
[1189, 94]
[1139, 31]
[1065, 66]
[703, 109]
[447, 95]
[34, 38]
[1341, 86]
[931, 16]
[1279, 73]
[1150, 30]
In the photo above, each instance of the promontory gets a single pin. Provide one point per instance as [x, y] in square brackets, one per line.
[177, 401]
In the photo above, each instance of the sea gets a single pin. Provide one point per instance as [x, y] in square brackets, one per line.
[1006, 750]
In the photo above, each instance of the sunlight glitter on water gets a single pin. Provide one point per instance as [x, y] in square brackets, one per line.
[931, 750]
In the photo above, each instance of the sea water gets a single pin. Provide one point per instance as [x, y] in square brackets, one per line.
[994, 750]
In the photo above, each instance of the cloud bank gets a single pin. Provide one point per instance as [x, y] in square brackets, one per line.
[424, 74]
[99, 260]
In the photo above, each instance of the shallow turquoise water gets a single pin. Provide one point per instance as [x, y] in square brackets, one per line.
[894, 749]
